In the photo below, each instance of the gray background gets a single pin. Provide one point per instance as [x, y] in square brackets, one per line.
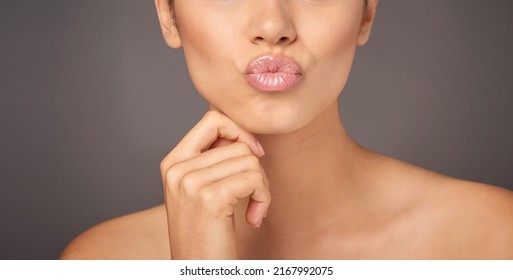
[92, 99]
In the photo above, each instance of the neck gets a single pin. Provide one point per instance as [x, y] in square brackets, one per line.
[310, 173]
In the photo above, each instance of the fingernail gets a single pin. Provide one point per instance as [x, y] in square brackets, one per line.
[259, 223]
[260, 148]
[265, 214]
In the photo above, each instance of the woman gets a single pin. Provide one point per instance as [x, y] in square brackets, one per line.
[272, 72]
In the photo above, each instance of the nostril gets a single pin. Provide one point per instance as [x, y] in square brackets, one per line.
[258, 39]
[286, 40]
[281, 40]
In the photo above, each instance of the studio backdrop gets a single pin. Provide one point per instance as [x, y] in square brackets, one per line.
[92, 99]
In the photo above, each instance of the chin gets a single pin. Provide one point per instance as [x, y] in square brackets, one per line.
[269, 123]
[268, 113]
[270, 129]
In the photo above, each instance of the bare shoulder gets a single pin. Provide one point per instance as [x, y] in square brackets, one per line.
[463, 219]
[140, 235]
[448, 218]
[481, 218]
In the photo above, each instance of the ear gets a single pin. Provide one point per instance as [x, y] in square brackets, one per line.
[168, 24]
[369, 14]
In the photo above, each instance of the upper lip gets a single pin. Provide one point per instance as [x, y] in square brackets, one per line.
[273, 64]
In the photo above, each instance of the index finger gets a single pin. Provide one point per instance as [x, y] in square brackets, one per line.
[211, 127]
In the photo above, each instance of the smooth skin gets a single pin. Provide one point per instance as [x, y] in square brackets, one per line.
[274, 175]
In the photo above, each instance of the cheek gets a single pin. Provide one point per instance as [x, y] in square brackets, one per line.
[332, 43]
[208, 50]
[204, 61]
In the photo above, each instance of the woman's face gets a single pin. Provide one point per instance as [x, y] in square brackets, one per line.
[220, 38]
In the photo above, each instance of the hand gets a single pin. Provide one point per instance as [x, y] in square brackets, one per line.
[204, 176]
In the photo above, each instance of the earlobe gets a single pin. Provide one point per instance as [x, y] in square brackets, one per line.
[168, 24]
[369, 14]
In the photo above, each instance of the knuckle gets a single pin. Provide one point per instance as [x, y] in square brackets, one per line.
[207, 197]
[167, 161]
[265, 194]
[254, 175]
[251, 160]
[243, 148]
[214, 202]
[268, 196]
[266, 180]
[223, 194]
[164, 165]
[172, 176]
[189, 181]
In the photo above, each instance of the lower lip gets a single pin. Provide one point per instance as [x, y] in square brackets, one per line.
[278, 81]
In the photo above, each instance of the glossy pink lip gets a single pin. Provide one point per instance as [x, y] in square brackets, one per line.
[273, 73]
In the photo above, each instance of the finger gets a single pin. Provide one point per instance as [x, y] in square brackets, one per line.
[198, 178]
[220, 142]
[205, 160]
[249, 183]
[256, 212]
[212, 126]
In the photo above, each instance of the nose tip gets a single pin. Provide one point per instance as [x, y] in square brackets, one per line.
[272, 24]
